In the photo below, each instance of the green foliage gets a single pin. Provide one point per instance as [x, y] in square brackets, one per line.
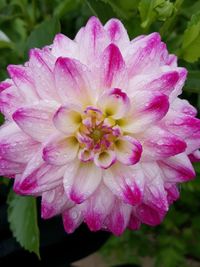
[22, 216]
[25, 24]
[191, 39]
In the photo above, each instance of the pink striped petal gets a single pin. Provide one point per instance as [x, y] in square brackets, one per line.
[195, 156]
[10, 101]
[183, 106]
[36, 120]
[72, 83]
[134, 223]
[97, 207]
[22, 78]
[81, 180]
[39, 177]
[64, 47]
[72, 218]
[128, 150]
[114, 103]
[117, 33]
[9, 168]
[60, 150]
[172, 193]
[177, 168]
[5, 84]
[148, 108]
[67, 119]
[118, 219]
[126, 183]
[159, 143]
[54, 202]
[15, 145]
[42, 75]
[92, 40]
[112, 69]
[149, 215]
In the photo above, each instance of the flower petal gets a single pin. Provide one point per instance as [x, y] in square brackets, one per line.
[9, 168]
[114, 103]
[92, 41]
[105, 159]
[42, 75]
[128, 150]
[72, 218]
[64, 47]
[54, 202]
[67, 119]
[117, 33]
[159, 143]
[15, 145]
[147, 109]
[22, 78]
[97, 207]
[72, 82]
[81, 180]
[118, 219]
[36, 120]
[125, 183]
[112, 67]
[38, 177]
[177, 168]
[60, 150]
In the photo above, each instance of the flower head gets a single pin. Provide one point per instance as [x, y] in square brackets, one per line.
[95, 126]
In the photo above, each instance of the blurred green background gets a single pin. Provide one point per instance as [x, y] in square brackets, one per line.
[25, 24]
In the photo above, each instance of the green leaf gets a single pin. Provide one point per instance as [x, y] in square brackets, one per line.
[44, 33]
[22, 217]
[151, 10]
[191, 39]
[100, 9]
[65, 7]
[193, 82]
[4, 40]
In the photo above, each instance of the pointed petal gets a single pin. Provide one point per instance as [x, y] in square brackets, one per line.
[54, 202]
[81, 180]
[42, 75]
[60, 150]
[159, 143]
[22, 78]
[72, 218]
[126, 183]
[64, 47]
[117, 33]
[177, 168]
[72, 81]
[39, 177]
[36, 120]
[112, 67]
[15, 145]
[9, 168]
[97, 207]
[118, 219]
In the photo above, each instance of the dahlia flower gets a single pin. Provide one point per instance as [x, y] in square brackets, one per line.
[95, 127]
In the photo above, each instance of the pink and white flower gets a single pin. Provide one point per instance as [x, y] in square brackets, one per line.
[95, 126]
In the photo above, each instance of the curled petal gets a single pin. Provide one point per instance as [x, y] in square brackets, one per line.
[67, 120]
[128, 150]
[114, 103]
[105, 159]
